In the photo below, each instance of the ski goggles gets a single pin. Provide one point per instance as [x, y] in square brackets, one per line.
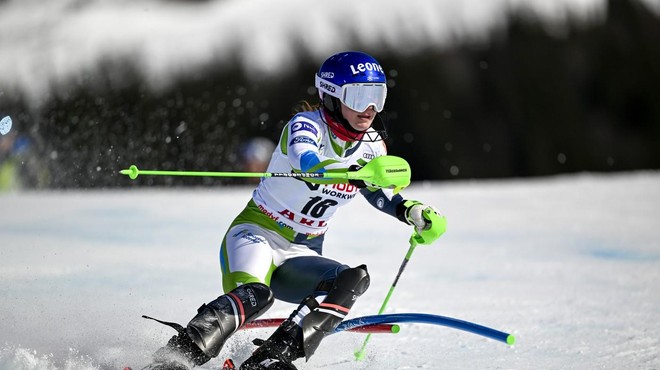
[358, 96]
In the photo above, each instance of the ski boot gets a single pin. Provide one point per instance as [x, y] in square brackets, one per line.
[214, 323]
[180, 353]
[301, 334]
[284, 346]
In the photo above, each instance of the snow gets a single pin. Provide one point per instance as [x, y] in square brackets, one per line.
[569, 264]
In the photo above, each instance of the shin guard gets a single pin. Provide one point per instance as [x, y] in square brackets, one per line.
[347, 287]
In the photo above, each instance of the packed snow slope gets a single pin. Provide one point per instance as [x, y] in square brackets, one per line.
[568, 264]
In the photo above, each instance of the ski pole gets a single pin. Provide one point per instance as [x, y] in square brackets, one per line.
[359, 354]
[388, 172]
[133, 172]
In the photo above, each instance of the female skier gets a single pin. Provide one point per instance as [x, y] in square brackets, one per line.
[273, 249]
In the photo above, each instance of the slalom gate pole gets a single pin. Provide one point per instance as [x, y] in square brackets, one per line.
[423, 318]
[359, 354]
[352, 326]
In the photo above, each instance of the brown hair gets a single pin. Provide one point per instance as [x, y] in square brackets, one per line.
[305, 106]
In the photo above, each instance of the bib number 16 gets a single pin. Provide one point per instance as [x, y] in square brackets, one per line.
[317, 206]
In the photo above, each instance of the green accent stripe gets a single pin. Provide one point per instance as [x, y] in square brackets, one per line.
[337, 148]
[224, 258]
[284, 139]
[251, 214]
[322, 164]
[232, 280]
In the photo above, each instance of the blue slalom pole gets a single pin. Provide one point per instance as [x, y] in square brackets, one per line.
[422, 318]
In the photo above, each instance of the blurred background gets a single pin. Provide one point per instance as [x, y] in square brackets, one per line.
[478, 89]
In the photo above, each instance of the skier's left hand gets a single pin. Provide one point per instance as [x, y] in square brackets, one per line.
[429, 223]
[357, 183]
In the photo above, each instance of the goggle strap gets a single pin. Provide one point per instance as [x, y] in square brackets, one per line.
[328, 87]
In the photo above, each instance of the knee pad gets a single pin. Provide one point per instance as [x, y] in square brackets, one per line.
[216, 321]
[354, 280]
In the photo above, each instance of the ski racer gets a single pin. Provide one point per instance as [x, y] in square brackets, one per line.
[274, 247]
